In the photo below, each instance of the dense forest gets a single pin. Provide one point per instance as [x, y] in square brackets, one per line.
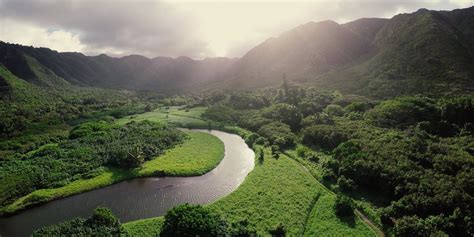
[412, 154]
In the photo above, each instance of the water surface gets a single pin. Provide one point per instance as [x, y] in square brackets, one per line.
[142, 197]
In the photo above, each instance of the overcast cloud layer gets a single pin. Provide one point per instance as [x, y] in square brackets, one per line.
[174, 28]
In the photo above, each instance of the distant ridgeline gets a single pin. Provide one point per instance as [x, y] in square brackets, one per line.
[421, 52]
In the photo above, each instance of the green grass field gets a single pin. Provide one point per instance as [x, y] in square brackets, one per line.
[324, 222]
[188, 159]
[277, 191]
[174, 115]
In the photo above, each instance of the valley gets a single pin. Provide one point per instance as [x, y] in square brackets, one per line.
[363, 128]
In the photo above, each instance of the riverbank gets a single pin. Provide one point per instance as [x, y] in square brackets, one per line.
[196, 156]
[276, 191]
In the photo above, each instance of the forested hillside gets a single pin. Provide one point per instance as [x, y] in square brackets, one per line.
[411, 157]
[421, 52]
[131, 72]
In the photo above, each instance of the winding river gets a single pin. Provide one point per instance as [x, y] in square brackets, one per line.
[143, 197]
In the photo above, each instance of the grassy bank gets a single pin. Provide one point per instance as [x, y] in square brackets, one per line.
[188, 159]
[276, 191]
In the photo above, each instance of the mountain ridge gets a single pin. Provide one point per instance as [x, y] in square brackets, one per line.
[419, 52]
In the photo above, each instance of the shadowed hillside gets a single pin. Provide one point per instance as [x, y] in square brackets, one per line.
[421, 52]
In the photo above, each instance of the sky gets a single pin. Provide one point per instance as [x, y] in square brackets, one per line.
[193, 28]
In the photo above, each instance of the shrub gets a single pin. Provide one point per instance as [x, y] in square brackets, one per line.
[343, 206]
[278, 133]
[243, 229]
[346, 184]
[193, 220]
[278, 231]
[334, 110]
[101, 223]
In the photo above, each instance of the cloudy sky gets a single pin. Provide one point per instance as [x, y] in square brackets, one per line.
[194, 28]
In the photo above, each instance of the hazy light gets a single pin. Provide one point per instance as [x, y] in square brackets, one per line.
[174, 28]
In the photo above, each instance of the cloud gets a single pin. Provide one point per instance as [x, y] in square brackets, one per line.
[149, 27]
[194, 28]
[17, 32]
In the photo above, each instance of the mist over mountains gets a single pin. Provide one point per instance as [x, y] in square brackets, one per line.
[421, 52]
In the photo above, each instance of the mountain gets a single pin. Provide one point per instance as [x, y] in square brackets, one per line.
[132, 72]
[306, 51]
[420, 52]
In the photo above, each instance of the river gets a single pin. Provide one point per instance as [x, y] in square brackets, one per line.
[142, 197]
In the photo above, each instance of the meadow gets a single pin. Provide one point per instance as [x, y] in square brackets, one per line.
[175, 115]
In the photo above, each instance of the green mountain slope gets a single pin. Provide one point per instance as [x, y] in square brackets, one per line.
[428, 52]
[131, 72]
[421, 52]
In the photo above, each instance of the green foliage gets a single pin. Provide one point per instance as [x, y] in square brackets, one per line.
[278, 231]
[406, 170]
[26, 105]
[220, 113]
[334, 110]
[101, 223]
[392, 152]
[247, 101]
[193, 220]
[323, 221]
[89, 147]
[403, 112]
[325, 136]
[343, 206]
[278, 133]
[150, 227]
[188, 159]
[285, 113]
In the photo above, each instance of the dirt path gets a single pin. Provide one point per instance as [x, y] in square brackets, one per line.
[364, 218]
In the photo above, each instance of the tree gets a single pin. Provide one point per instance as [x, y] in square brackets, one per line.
[101, 223]
[193, 220]
[278, 133]
[209, 125]
[285, 113]
[103, 216]
[275, 151]
[278, 231]
[243, 229]
[343, 206]
[261, 155]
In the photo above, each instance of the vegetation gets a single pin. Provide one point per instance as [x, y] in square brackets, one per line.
[188, 159]
[343, 207]
[189, 220]
[25, 107]
[277, 191]
[101, 223]
[89, 148]
[389, 155]
[401, 158]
